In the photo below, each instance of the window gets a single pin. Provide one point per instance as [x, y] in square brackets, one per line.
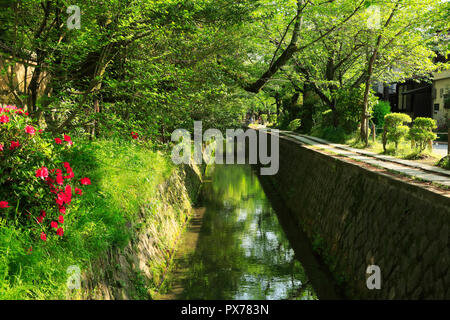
[436, 107]
[447, 101]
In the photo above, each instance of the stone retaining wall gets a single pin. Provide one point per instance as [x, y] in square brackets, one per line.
[355, 217]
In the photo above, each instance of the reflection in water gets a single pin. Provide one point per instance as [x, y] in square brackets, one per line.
[235, 247]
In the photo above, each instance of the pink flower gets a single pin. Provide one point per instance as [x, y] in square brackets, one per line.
[58, 141]
[85, 181]
[43, 236]
[30, 130]
[42, 173]
[1, 147]
[4, 204]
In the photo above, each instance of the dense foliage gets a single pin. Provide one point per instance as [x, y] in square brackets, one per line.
[136, 70]
[394, 128]
[421, 133]
[380, 110]
[36, 186]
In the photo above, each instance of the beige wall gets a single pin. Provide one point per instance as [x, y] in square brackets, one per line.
[14, 76]
[442, 86]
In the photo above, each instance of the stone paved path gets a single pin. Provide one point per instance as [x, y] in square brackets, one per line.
[410, 168]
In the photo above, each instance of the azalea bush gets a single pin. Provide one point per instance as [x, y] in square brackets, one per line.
[37, 188]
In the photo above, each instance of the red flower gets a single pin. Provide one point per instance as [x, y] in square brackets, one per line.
[135, 135]
[59, 179]
[54, 224]
[4, 119]
[43, 236]
[60, 232]
[85, 181]
[4, 204]
[40, 219]
[14, 144]
[30, 130]
[1, 147]
[41, 130]
[43, 213]
[70, 174]
[63, 198]
[78, 191]
[58, 141]
[68, 193]
[68, 140]
[61, 219]
[62, 210]
[42, 173]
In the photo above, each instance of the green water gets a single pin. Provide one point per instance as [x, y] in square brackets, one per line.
[235, 247]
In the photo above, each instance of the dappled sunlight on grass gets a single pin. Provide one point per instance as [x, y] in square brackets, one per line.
[404, 150]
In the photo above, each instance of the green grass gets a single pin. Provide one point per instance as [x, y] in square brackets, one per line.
[404, 150]
[124, 177]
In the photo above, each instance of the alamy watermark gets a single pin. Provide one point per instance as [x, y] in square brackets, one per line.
[74, 279]
[374, 277]
[238, 142]
[74, 20]
[374, 20]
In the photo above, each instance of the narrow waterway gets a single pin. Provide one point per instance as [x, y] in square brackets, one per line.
[236, 248]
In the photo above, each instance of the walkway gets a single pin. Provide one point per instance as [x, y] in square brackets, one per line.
[406, 167]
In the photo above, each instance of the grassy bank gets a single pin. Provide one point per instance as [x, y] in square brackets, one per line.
[404, 150]
[124, 177]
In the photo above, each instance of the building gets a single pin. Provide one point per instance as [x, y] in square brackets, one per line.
[420, 98]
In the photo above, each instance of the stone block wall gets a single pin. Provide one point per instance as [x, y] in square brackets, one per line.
[355, 217]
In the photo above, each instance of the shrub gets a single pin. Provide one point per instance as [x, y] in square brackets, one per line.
[349, 103]
[394, 129]
[36, 186]
[332, 134]
[380, 110]
[294, 124]
[421, 134]
[444, 162]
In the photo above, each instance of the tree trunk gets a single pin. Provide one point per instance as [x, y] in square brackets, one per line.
[364, 134]
[95, 124]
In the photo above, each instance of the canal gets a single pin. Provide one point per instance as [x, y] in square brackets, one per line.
[238, 247]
